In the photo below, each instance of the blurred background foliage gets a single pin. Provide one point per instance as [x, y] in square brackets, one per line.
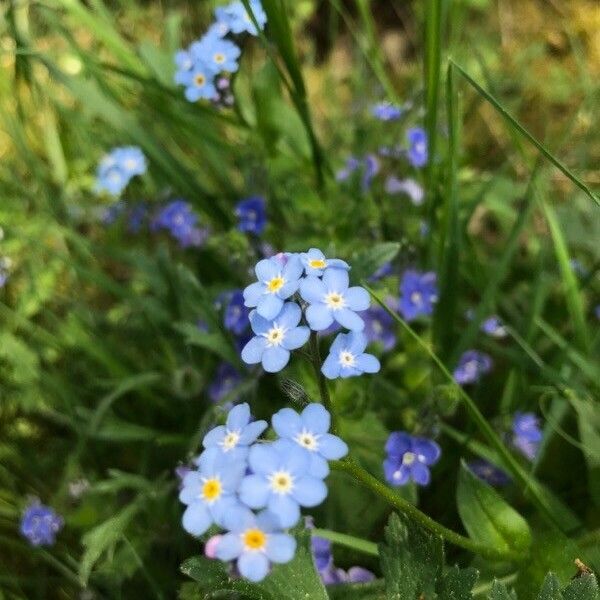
[103, 371]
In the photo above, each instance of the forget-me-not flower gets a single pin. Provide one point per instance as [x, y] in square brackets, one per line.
[236, 17]
[254, 541]
[471, 366]
[252, 215]
[219, 55]
[418, 294]
[386, 111]
[527, 435]
[310, 431]
[199, 83]
[315, 263]
[277, 281]
[418, 153]
[347, 357]
[40, 524]
[275, 338]
[331, 300]
[281, 481]
[118, 167]
[179, 219]
[408, 458]
[379, 327]
[235, 317]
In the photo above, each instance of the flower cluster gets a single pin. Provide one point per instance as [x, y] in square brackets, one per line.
[325, 298]
[409, 457]
[40, 524]
[117, 169]
[236, 475]
[201, 67]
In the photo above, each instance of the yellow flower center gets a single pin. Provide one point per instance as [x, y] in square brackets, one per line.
[275, 284]
[281, 482]
[317, 263]
[335, 300]
[199, 80]
[219, 58]
[254, 539]
[211, 489]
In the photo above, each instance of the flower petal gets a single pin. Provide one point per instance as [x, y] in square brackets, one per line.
[336, 280]
[253, 293]
[295, 338]
[398, 443]
[253, 351]
[214, 436]
[229, 547]
[319, 317]
[331, 367]
[420, 473]
[428, 449]
[254, 566]
[259, 324]
[269, 306]
[266, 269]
[286, 423]
[357, 342]
[263, 459]
[318, 466]
[312, 289]
[285, 509]
[348, 319]
[367, 363]
[395, 473]
[357, 298]
[316, 418]
[238, 417]
[293, 268]
[196, 518]
[252, 431]
[254, 491]
[289, 317]
[309, 491]
[332, 447]
[289, 288]
[280, 548]
[274, 359]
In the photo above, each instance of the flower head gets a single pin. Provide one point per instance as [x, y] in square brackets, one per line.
[118, 167]
[410, 187]
[281, 481]
[471, 366]
[40, 524]
[386, 111]
[331, 300]
[527, 434]
[418, 294]
[310, 431]
[199, 83]
[216, 54]
[488, 472]
[418, 154]
[408, 458]
[315, 263]
[236, 18]
[252, 215]
[254, 541]
[276, 282]
[235, 317]
[347, 357]
[275, 338]
[227, 378]
[372, 166]
[178, 218]
[379, 327]
[493, 326]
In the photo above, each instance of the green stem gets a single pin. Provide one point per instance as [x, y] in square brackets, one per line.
[368, 481]
[349, 541]
[315, 359]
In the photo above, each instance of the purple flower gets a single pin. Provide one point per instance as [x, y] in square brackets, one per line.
[408, 458]
[410, 187]
[418, 294]
[321, 551]
[379, 327]
[137, 216]
[352, 164]
[178, 218]
[527, 434]
[40, 524]
[235, 318]
[488, 472]
[371, 165]
[252, 215]
[385, 111]
[471, 366]
[384, 270]
[493, 327]
[227, 378]
[418, 154]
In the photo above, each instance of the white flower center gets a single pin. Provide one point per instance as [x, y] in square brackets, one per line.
[275, 335]
[347, 359]
[307, 440]
[416, 298]
[471, 367]
[230, 440]
[377, 326]
[335, 300]
[281, 482]
[420, 147]
[409, 458]
[130, 164]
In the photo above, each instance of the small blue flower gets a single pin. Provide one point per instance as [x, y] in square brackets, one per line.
[371, 168]
[384, 270]
[227, 378]
[252, 215]
[199, 83]
[310, 430]
[379, 327]
[315, 263]
[235, 318]
[352, 164]
[527, 435]
[418, 153]
[493, 327]
[280, 481]
[347, 357]
[275, 338]
[40, 524]
[237, 434]
[331, 300]
[385, 111]
[178, 218]
[472, 365]
[236, 18]
[210, 491]
[408, 458]
[118, 167]
[277, 281]
[410, 187]
[488, 472]
[216, 54]
[418, 294]
[254, 541]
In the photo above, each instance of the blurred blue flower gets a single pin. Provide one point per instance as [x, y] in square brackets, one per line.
[226, 379]
[379, 327]
[527, 434]
[118, 167]
[199, 83]
[386, 111]
[275, 338]
[277, 281]
[184, 61]
[210, 491]
[418, 154]
[280, 481]
[347, 357]
[488, 472]
[255, 541]
[310, 430]
[410, 187]
[408, 458]
[315, 263]
[493, 327]
[180, 472]
[371, 168]
[178, 218]
[138, 214]
[235, 317]
[237, 434]
[331, 299]
[384, 270]
[472, 365]
[112, 213]
[218, 55]
[418, 294]
[236, 18]
[252, 215]
[352, 164]
[40, 524]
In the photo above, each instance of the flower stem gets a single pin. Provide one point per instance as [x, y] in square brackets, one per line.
[315, 359]
[349, 541]
[367, 480]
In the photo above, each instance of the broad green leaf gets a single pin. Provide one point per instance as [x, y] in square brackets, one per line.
[366, 262]
[374, 590]
[457, 584]
[583, 587]
[500, 592]
[550, 588]
[487, 517]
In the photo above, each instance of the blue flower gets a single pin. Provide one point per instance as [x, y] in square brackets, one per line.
[210, 491]
[471, 366]
[235, 318]
[527, 434]
[331, 300]
[184, 61]
[384, 270]
[488, 472]
[236, 18]
[275, 338]
[371, 169]
[40, 524]
[310, 431]
[352, 164]
[252, 215]
[418, 154]
[410, 187]
[237, 434]
[385, 111]
[216, 54]
[493, 326]
[255, 541]
[277, 281]
[408, 458]
[136, 217]
[379, 327]
[118, 167]
[227, 378]
[315, 263]
[178, 218]
[347, 357]
[280, 481]
[418, 294]
[199, 83]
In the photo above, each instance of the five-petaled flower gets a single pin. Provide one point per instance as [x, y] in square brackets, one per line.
[235, 316]
[236, 18]
[347, 357]
[379, 327]
[40, 524]
[198, 83]
[315, 262]
[418, 294]
[493, 326]
[408, 458]
[471, 366]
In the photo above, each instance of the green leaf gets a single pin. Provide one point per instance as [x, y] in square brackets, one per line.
[215, 342]
[411, 560]
[550, 588]
[457, 584]
[487, 517]
[374, 590]
[584, 587]
[500, 592]
[365, 263]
